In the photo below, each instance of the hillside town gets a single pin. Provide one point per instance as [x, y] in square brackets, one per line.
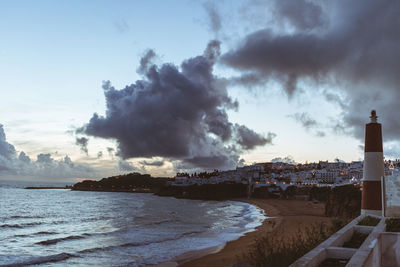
[283, 175]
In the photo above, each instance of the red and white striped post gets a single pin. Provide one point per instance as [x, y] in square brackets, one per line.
[374, 170]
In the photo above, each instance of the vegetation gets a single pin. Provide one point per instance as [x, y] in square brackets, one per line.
[275, 249]
[289, 192]
[393, 225]
[344, 202]
[356, 240]
[369, 221]
[199, 175]
[320, 193]
[122, 183]
[263, 192]
[338, 224]
[220, 191]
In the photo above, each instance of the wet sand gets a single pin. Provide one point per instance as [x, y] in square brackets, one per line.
[290, 215]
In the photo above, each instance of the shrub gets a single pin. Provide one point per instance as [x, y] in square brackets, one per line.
[273, 249]
[343, 201]
[393, 225]
[369, 221]
[356, 240]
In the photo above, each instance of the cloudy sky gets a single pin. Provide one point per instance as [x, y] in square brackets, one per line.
[96, 88]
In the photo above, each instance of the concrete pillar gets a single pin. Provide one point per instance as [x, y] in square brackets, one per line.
[374, 169]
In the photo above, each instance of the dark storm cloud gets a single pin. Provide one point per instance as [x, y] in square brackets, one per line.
[7, 151]
[305, 120]
[335, 98]
[356, 53]
[126, 166]
[301, 14]
[178, 113]
[44, 158]
[157, 163]
[110, 151]
[23, 157]
[308, 123]
[287, 159]
[249, 139]
[286, 57]
[209, 162]
[391, 150]
[12, 163]
[82, 142]
[146, 61]
[248, 80]
[213, 15]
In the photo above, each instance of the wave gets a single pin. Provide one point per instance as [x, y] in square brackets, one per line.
[45, 233]
[58, 222]
[21, 225]
[251, 216]
[21, 235]
[39, 233]
[93, 219]
[159, 222]
[10, 226]
[57, 240]
[138, 244]
[41, 260]
[25, 217]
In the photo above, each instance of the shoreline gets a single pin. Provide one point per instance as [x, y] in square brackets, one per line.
[290, 215]
[191, 258]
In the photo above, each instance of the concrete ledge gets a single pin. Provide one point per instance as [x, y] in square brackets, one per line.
[364, 229]
[390, 248]
[332, 245]
[340, 252]
[366, 255]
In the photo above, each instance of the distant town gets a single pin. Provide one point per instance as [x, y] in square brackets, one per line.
[283, 175]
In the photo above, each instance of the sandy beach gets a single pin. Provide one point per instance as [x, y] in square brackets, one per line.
[289, 214]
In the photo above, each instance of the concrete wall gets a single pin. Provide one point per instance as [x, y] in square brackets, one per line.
[380, 248]
[369, 254]
[392, 186]
[390, 247]
[331, 248]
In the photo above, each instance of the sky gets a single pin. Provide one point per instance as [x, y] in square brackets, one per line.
[96, 88]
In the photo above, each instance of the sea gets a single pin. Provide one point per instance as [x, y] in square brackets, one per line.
[60, 227]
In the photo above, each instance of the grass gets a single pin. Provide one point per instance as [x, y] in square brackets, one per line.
[356, 240]
[274, 249]
[369, 221]
[393, 225]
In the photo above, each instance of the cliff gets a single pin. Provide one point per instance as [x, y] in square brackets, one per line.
[205, 192]
[144, 183]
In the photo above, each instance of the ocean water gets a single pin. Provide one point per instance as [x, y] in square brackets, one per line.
[74, 228]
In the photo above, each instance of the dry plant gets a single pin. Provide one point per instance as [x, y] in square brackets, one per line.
[276, 249]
